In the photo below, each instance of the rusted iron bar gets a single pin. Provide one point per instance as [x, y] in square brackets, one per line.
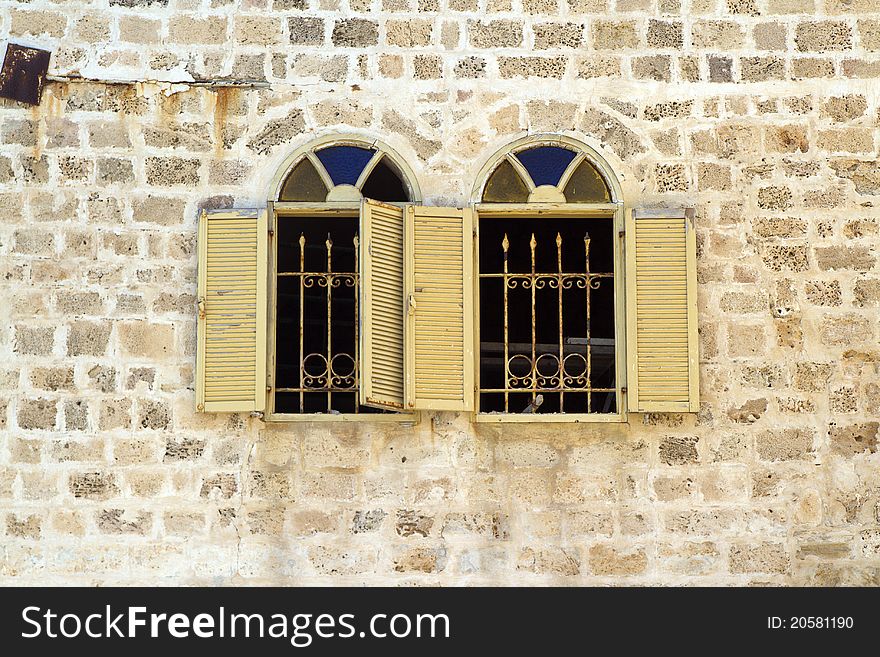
[322, 372]
[531, 367]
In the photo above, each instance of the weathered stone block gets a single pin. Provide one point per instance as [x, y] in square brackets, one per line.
[21, 526]
[864, 175]
[355, 33]
[614, 35]
[859, 258]
[665, 34]
[76, 415]
[88, 338]
[617, 562]
[408, 33]
[766, 558]
[194, 30]
[845, 330]
[169, 171]
[93, 485]
[550, 561]
[845, 108]
[770, 36]
[424, 560]
[822, 36]
[278, 131]
[153, 414]
[139, 29]
[784, 444]
[146, 339]
[761, 69]
[558, 35]
[746, 341]
[34, 340]
[306, 31]
[655, 67]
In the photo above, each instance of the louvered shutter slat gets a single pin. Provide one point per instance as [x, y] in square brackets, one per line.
[661, 311]
[231, 359]
[382, 281]
[439, 321]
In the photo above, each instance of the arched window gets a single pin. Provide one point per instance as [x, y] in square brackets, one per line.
[549, 271]
[315, 341]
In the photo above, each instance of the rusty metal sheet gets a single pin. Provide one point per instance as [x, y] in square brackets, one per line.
[24, 73]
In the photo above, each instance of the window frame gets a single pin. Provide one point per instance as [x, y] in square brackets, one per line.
[345, 208]
[615, 211]
[292, 209]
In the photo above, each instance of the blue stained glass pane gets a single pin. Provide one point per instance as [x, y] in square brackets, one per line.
[344, 163]
[546, 164]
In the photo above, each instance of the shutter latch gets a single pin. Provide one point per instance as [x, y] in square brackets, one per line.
[412, 304]
[201, 307]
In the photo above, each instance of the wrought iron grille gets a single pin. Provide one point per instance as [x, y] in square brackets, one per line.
[538, 368]
[327, 371]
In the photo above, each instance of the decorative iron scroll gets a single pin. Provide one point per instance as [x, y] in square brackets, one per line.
[326, 372]
[533, 367]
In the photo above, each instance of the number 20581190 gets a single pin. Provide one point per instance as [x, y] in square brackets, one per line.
[810, 623]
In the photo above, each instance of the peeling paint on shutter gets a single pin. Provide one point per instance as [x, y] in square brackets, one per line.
[231, 365]
[381, 292]
[661, 312]
[439, 298]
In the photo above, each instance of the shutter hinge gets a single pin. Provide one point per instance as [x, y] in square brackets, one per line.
[623, 390]
[621, 234]
[201, 302]
[271, 233]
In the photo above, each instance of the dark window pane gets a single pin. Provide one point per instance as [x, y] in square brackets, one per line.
[344, 163]
[304, 184]
[565, 322]
[383, 184]
[329, 316]
[546, 164]
[505, 186]
[586, 185]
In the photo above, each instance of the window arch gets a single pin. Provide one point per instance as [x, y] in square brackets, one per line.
[344, 169]
[546, 169]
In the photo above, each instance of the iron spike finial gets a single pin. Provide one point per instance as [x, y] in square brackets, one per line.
[558, 240]
[505, 243]
[533, 242]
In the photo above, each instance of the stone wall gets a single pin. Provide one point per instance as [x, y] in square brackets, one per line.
[763, 114]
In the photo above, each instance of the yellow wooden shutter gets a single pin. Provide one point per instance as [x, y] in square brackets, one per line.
[231, 364]
[661, 311]
[439, 319]
[381, 339]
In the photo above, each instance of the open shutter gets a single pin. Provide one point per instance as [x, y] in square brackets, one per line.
[661, 311]
[231, 365]
[381, 298]
[439, 333]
